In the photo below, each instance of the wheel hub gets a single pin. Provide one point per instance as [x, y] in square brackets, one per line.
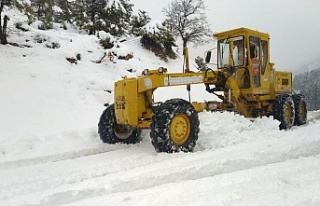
[288, 113]
[180, 129]
[302, 112]
[122, 132]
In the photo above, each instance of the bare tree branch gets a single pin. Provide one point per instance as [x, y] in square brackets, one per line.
[188, 21]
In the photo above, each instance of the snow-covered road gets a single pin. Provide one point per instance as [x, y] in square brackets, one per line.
[279, 168]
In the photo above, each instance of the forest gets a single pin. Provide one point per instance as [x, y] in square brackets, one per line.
[308, 83]
[113, 19]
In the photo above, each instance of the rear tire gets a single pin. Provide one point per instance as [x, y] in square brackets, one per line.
[283, 110]
[175, 127]
[111, 132]
[300, 106]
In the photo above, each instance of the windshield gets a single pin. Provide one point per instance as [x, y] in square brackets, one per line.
[224, 58]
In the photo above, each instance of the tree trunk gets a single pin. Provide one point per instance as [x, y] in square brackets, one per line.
[92, 30]
[186, 55]
[1, 9]
[39, 11]
[3, 30]
[184, 42]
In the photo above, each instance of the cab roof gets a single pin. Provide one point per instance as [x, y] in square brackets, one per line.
[241, 32]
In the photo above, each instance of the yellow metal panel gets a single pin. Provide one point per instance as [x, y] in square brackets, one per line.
[282, 82]
[149, 82]
[146, 83]
[126, 102]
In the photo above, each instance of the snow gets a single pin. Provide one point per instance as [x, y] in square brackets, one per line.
[57, 9]
[26, 2]
[153, 27]
[51, 154]
[117, 4]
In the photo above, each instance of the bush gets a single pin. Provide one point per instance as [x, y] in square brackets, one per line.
[53, 45]
[151, 43]
[159, 39]
[106, 43]
[20, 26]
[40, 38]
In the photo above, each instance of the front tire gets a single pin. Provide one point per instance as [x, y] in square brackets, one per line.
[283, 110]
[175, 127]
[111, 132]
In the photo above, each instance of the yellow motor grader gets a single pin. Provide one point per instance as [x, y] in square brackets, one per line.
[245, 81]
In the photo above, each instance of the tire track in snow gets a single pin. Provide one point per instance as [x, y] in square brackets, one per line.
[74, 154]
[14, 164]
[72, 171]
[182, 167]
[266, 185]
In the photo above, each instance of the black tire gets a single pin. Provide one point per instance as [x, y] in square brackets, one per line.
[175, 127]
[110, 132]
[300, 106]
[283, 110]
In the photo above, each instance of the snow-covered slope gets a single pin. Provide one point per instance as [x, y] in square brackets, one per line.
[50, 152]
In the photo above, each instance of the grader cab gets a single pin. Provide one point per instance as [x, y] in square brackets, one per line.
[245, 81]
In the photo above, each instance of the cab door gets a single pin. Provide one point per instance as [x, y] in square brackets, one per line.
[255, 61]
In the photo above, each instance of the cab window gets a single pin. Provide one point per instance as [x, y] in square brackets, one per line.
[224, 56]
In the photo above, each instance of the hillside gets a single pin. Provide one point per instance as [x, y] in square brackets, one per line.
[308, 83]
[51, 154]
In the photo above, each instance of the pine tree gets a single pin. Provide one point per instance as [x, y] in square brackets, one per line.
[38, 7]
[63, 12]
[110, 16]
[159, 40]
[116, 16]
[44, 12]
[138, 22]
[79, 15]
[93, 10]
[167, 39]
[48, 18]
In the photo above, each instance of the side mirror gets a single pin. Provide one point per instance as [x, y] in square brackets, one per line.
[208, 57]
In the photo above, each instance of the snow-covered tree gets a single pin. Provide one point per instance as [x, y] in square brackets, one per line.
[158, 38]
[94, 8]
[308, 84]
[117, 4]
[188, 21]
[44, 12]
[167, 39]
[79, 15]
[139, 21]
[117, 16]
[48, 18]
[111, 16]
[62, 11]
